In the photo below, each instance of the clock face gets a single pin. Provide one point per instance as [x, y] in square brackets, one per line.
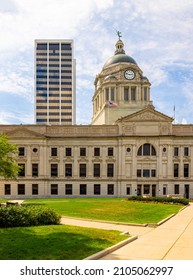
[129, 74]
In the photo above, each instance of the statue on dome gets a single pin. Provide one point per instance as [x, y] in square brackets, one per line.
[119, 34]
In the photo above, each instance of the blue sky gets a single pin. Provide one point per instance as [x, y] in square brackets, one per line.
[157, 34]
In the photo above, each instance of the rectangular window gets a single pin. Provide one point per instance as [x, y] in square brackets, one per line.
[97, 189]
[82, 152]
[96, 152]
[54, 189]
[96, 170]
[53, 152]
[126, 94]
[21, 151]
[83, 189]
[107, 94]
[138, 172]
[22, 170]
[34, 189]
[153, 173]
[68, 169]
[82, 169]
[164, 191]
[110, 152]
[112, 93]
[145, 94]
[68, 152]
[54, 170]
[34, 169]
[133, 93]
[146, 173]
[176, 169]
[176, 151]
[68, 189]
[110, 189]
[110, 170]
[21, 189]
[176, 189]
[186, 151]
[7, 189]
[186, 170]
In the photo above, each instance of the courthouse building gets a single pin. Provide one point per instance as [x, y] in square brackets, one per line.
[128, 149]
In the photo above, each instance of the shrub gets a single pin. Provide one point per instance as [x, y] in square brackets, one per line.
[183, 201]
[14, 216]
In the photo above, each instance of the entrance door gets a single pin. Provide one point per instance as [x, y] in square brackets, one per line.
[138, 190]
[154, 190]
[186, 191]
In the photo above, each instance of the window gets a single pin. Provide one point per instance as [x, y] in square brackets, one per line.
[186, 170]
[110, 151]
[68, 152]
[54, 169]
[133, 93]
[96, 152]
[34, 189]
[186, 151]
[96, 170]
[146, 173]
[176, 151]
[34, 169]
[97, 189]
[138, 172]
[82, 152]
[82, 169]
[54, 189]
[21, 189]
[176, 189]
[21, 172]
[146, 150]
[68, 170]
[107, 94]
[126, 94]
[53, 152]
[110, 189]
[68, 189]
[176, 169]
[21, 151]
[164, 190]
[110, 170]
[7, 189]
[145, 94]
[83, 189]
[153, 173]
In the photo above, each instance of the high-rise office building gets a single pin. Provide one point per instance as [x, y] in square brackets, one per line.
[55, 82]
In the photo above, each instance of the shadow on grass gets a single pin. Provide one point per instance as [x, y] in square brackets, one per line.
[49, 243]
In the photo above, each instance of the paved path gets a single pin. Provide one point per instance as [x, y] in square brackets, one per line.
[173, 240]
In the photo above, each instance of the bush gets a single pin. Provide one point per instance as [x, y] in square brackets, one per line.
[183, 201]
[14, 216]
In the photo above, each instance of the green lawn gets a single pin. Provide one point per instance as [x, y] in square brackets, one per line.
[59, 242]
[110, 209]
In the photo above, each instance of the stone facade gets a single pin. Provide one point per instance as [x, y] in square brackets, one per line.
[129, 149]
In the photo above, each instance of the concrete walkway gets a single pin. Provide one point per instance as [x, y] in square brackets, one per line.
[173, 240]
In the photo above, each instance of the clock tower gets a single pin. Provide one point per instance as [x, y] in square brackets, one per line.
[120, 88]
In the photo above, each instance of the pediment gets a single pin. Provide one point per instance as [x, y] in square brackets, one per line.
[146, 115]
[23, 132]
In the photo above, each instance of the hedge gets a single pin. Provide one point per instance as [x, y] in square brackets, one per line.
[18, 216]
[183, 201]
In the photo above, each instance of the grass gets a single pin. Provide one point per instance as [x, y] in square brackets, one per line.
[58, 242]
[109, 209]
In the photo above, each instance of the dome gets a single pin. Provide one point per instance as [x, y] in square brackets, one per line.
[117, 58]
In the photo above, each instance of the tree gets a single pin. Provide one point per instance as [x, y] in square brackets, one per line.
[8, 159]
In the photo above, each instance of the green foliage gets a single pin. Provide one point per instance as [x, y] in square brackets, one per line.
[183, 201]
[8, 162]
[17, 216]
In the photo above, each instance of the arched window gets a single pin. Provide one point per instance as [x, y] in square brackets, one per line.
[146, 150]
